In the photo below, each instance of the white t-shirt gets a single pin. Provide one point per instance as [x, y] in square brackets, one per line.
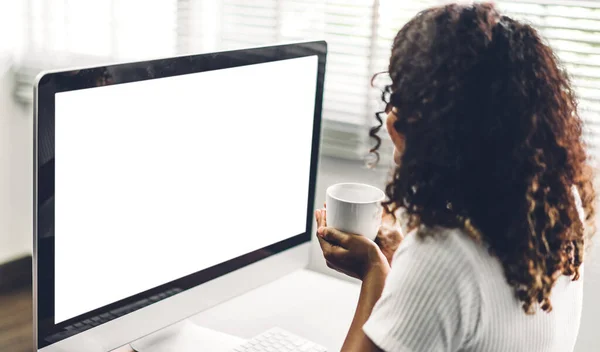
[447, 293]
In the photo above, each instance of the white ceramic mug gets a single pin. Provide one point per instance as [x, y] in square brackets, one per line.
[355, 208]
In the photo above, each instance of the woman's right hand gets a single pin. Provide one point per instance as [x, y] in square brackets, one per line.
[388, 237]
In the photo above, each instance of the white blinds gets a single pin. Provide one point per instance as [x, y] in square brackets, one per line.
[348, 27]
[359, 33]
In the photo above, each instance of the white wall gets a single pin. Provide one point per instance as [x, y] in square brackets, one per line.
[15, 142]
[15, 171]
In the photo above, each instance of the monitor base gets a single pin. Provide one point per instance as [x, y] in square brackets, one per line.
[186, 336]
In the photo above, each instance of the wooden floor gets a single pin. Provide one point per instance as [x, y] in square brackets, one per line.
[16, 321]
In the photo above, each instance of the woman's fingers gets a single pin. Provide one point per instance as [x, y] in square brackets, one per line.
[388, 239]
[388, 236]
[331, 252]
[334, 236]
[318, 217]
[321, 217]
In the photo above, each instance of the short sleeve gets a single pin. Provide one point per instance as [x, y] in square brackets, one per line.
[430, 301]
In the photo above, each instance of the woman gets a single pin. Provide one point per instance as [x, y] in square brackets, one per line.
[492, 179]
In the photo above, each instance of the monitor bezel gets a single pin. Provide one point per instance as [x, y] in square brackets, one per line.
[49, 83]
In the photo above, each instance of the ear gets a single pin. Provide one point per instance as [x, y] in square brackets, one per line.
[397, 138]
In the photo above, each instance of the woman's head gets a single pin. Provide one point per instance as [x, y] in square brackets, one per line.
[489, 140]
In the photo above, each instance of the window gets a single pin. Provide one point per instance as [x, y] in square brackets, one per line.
[359, 33]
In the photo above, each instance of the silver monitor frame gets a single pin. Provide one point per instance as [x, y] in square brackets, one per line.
[154, 317]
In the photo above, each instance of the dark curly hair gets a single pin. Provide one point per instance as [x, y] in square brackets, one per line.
[493, 143]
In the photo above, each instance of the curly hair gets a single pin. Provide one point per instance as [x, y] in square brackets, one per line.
[493, 143]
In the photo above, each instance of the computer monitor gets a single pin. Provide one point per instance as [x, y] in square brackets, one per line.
[167, 186]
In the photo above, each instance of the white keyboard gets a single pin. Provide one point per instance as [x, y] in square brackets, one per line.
[278, 340]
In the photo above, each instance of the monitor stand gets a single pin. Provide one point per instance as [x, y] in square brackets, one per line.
[187, 337]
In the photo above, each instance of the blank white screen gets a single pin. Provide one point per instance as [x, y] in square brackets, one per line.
[158, 179]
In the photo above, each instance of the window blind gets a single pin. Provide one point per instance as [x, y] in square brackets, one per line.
[348, 28]
[358, 34]
[65, 33]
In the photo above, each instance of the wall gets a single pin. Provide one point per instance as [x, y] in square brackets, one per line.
[15, 170]
[15, 142]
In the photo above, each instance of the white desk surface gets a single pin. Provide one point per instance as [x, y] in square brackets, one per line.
[312, 305]
[309, 304]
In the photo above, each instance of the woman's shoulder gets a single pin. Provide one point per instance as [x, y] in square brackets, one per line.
[429, 298]
[437, 275]
[447, 248]
[446, 261]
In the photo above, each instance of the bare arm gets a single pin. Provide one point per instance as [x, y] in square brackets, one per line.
[371, 289]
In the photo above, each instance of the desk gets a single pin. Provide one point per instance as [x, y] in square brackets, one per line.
[124, 349]
[312, 305]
